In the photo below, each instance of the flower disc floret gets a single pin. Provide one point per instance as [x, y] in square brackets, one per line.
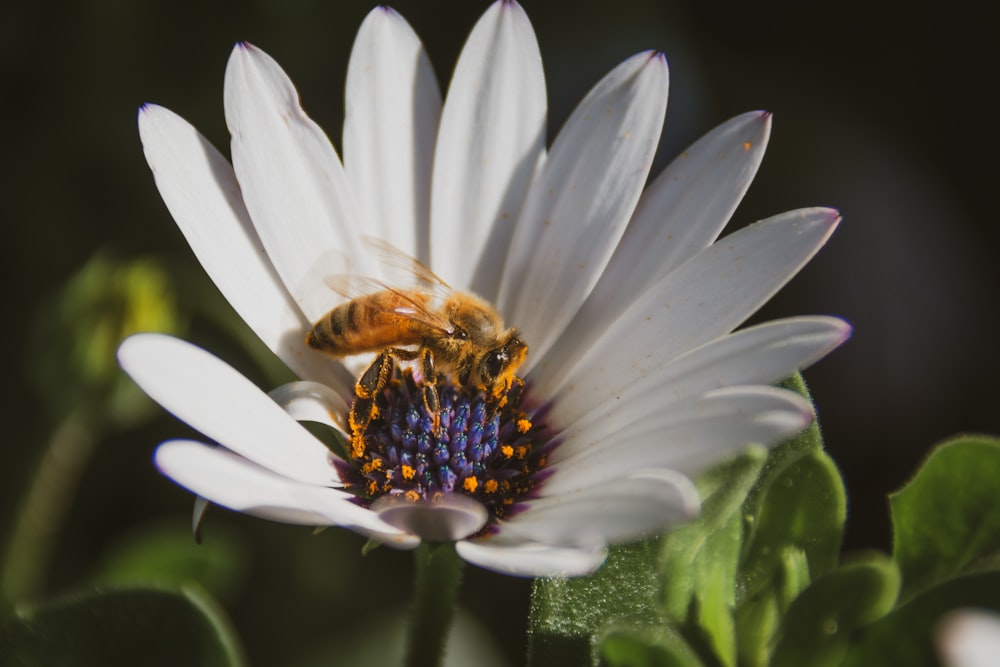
[493, 456]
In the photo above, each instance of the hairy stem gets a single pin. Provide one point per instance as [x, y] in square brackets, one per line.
[438, 575]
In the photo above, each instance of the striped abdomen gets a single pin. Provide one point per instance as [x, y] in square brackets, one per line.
[368, 324]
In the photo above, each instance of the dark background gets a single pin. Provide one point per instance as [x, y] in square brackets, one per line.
[884, 112]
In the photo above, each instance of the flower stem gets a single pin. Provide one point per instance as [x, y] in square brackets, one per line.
[46, 504]
[439, 574]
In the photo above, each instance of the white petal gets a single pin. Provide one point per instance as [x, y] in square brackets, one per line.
[706, 297]
[234, 482]
[312, 401]
[530, 559]
[582, 199]
[689, 436]
[686, 207]
[616, 511]
[214, 398]
[293, 183]
[200, 190]
[451, 517]
[492, 135]
[392, 111]
[764, 354]
[969, 638]
[680, 213]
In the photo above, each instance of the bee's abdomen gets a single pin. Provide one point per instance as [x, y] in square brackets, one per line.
[367, 324]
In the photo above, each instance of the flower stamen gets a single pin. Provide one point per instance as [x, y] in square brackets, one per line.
[487, 454]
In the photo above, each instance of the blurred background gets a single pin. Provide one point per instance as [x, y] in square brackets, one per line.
[880, 111]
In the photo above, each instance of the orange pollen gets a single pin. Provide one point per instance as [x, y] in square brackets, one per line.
[357, 447]
[523, 425]
[412, 496]
[491, 486]
[408, 472]
[507, 451]
[470, 484]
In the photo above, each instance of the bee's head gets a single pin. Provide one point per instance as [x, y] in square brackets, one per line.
[497, 365]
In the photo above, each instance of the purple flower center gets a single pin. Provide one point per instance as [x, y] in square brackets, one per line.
[491, 455]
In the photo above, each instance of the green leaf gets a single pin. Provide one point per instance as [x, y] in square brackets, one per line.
[629, 648]
[757, 623]
[803, 507]
[785, 454]
[700, 560]
[129, 626]
[569, 615]
[905, 636]
[166, 554]
[809, 440]
[946, 520]
[818, 627]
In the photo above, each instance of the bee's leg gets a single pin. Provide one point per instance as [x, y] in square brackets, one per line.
[375, 377]
[364, 410]
[403, 354]
[499, 399]
[428, 386]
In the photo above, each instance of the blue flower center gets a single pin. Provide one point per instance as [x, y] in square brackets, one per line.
[491, 455]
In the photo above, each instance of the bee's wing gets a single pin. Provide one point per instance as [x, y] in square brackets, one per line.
[353, 286]
[401, 269]
[417, 303]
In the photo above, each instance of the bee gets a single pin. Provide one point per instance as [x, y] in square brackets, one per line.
[446, 332]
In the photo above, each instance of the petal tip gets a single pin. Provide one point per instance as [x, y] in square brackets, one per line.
[243, 49]
[383, 12]
[844, 330]
[128, 348]
[834, 219]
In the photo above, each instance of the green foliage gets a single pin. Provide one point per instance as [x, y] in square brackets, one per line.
[700, 561]
[947, 518]
[569, 615]
[819, 624]
[631, 648]
[166, 554]
[796, 537]
[803, 508]
[127, 626]
[905, 636]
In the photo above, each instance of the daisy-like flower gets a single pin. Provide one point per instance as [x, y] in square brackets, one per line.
[635, 379]
[969, 638]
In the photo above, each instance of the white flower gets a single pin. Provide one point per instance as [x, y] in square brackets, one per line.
[625, 298]
[969, 638]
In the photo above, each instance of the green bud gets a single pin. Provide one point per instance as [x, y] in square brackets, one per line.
[76, 334]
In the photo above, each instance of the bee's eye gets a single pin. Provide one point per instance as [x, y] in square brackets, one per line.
[493, 364]
[460, 334]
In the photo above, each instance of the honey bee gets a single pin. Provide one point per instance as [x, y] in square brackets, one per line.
[447, 332]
